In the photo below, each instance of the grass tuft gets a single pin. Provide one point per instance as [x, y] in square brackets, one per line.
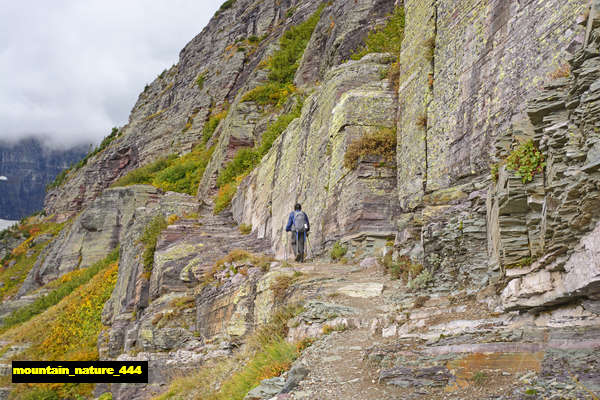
[178, 174]
[338, 251]
[149, 239]
[245, 229]
[386, 39]
[380, 143]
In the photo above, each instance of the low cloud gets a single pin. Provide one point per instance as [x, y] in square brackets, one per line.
[71, 69]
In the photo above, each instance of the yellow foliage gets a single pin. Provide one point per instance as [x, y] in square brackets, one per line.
[67, 331]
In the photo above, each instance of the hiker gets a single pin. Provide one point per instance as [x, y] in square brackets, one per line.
[299, 226]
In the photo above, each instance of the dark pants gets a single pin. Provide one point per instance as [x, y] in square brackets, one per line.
[298, 246]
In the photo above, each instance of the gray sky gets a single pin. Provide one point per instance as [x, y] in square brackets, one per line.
[72, 69]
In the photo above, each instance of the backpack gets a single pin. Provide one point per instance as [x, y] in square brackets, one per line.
[300, 224]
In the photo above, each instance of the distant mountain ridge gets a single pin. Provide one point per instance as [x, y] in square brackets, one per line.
[29, 165]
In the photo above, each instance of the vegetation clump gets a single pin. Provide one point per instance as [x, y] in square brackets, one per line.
[280, 286]
[404, 268]
[245, 229]
[67, 331]
[200, 80]
[225, 6]
[211, 125]
[379, 143]
[225, 195]
[386, 39]
[178, 174]
[17, 264]
[276, 92]
[233, 260]
[327, 329]
[526, 160]
[284, 63]
[338, 251]
[149, 239]
[266, 354]
[420, 281]
[563, 71]
[62, 287]
[248, 158]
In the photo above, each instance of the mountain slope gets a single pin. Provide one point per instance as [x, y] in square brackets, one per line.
[447, 155]
[29, 166]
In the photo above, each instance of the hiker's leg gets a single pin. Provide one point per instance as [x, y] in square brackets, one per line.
[301, 240]
[293, 235]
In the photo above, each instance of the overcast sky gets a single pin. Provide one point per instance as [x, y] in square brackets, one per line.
[72, 69]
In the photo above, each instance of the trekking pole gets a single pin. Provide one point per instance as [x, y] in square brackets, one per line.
[309, 246]
[286, 246]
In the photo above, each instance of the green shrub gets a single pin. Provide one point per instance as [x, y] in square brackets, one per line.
[245, 229]
[243, 161]
[338, 251]
[403, 268]
[247, 158]
[149, 239]
[144, 175]
[66, 284]
[225, 6]
[387, 39]
[291, 11]
[225, 196]
[420, 281]
[271, 93]
[200, 80]
[526, 160]
[380, 143]
[172, 173]
[284, 63]
[183, 175]
[479, 378]
[277, 127]
[60, 178]
[211, 125]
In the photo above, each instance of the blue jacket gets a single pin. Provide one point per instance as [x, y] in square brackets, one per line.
[290, 223]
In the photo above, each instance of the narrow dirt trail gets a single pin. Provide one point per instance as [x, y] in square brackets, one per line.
[426, 345]
[337, 364]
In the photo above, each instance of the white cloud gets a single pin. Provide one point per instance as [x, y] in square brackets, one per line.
[72, 69]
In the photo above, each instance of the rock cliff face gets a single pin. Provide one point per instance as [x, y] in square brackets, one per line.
[499, 270]
[29, 166]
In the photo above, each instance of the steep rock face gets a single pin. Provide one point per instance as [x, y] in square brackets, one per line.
[29, 165]
[306, 163]
[228, 64]
[338, 33]
[553, 219]
[460, 105]
[462, 87]
[117, 216]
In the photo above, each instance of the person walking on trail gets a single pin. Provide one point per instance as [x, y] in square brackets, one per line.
[299, 226]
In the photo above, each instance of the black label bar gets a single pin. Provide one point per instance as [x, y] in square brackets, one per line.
[80, 371]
